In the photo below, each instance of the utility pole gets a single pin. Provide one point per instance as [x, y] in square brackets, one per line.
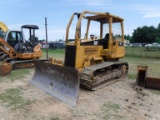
[46, 38]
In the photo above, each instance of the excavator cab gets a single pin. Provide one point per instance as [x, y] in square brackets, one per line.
[28, 45]
[17, 40]
[14, 37]
[33, 40]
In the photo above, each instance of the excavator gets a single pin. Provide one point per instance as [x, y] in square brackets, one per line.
[15, 51]
[90, 61]
[3, 29]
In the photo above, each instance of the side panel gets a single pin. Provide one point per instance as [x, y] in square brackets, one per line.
[70, 56]
[86, 55]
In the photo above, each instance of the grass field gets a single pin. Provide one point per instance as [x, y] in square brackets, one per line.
[58, 54]
[130, 52]
[135, 56]
[153, 66]
[141, 52]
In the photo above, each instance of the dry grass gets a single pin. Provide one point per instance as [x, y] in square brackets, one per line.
[13, 99]
[153, 66]
[110, 111]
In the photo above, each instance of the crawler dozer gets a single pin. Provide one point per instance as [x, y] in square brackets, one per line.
[91, 57]
[15, 51]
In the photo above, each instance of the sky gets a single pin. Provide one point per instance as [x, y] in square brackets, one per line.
[136, 13]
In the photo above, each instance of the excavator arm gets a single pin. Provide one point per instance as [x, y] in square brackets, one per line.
[5, 47]
[3, 27]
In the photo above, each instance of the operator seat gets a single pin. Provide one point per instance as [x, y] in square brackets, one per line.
[105, 41]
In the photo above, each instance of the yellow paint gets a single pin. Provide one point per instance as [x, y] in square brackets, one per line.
[3, 27]
[91, 53]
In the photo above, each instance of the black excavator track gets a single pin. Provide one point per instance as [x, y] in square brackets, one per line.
[103, 74]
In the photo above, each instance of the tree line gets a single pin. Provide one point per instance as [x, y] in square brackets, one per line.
[145, 34]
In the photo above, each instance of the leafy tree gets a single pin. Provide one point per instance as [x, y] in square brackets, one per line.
[127, 37]
[158, 33]
[144, 34]
[42, 40]
[157, 39]
[158, 29]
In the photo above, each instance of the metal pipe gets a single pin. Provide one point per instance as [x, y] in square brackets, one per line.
[46, 38]
[34, 37]
[30, 35]
[153, 83]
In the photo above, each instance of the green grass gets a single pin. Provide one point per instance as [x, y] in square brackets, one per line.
[54, 118]
[132, 76]
[110, 111]
[13, 99]
[58, 53]
[153, 66]
[153, 48]
[135, 56]
[141, 52]
[16, 75]
[157, 92]
[54, 51]
[111, 107]
[130, 52]
[2, 78]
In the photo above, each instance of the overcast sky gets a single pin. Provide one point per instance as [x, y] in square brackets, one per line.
[136, 13]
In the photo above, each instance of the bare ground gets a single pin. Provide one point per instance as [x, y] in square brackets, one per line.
[117, 101]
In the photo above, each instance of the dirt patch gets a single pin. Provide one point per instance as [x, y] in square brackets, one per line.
[117, 101]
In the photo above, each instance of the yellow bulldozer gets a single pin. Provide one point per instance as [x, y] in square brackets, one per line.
[91, 57]
[15, 51]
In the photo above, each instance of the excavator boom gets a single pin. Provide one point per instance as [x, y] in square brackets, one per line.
[3, 27]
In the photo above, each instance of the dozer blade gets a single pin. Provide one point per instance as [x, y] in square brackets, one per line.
[60, 82]
[5, 68]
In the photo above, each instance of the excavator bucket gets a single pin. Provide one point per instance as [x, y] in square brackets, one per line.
[5, 68]
[60, 82]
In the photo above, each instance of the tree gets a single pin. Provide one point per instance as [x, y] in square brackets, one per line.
[158, 29]
[144, 34]
[127, 37]
[158, 33]
[158, 39]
